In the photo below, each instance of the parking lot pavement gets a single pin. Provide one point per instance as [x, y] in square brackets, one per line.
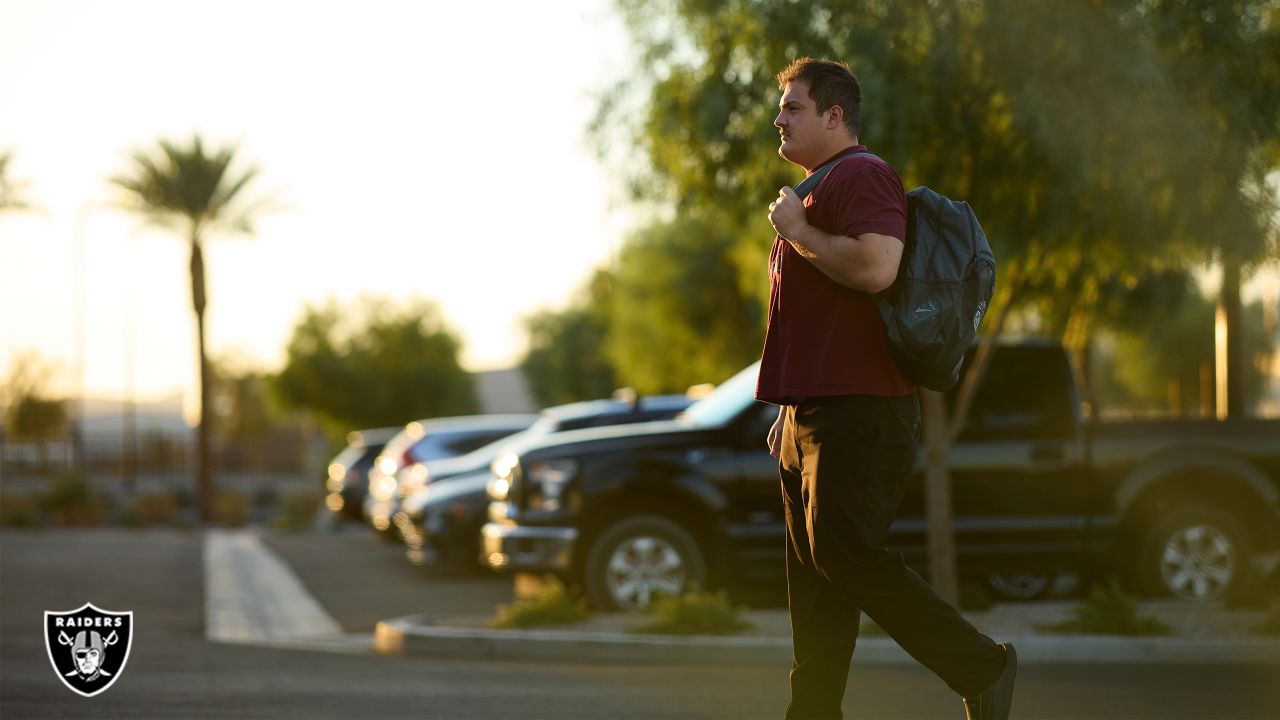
[362, 580]
[175, 672]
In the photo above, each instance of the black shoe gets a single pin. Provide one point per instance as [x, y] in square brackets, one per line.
[994, 702]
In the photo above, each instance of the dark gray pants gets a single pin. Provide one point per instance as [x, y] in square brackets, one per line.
[844, 465]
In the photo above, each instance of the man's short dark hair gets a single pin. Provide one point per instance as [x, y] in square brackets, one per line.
[830, 84]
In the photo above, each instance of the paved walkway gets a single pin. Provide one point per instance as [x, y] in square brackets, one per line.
[252, 597]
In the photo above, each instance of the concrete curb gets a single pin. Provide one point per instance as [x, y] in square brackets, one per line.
[414, 635]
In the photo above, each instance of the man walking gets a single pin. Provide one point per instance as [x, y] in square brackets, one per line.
[849, 419]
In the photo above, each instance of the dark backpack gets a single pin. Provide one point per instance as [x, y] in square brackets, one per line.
[943, 289]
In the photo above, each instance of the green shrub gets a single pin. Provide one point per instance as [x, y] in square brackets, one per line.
[71, 501]
[1109, 611]
[151, 509]
[20, 511]
[695, 613]
[553, 605]
[297, 511]
[230, 508]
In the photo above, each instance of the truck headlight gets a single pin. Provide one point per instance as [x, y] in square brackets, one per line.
[547, 480]
[505, 464]
[499, 488]
[504, 476]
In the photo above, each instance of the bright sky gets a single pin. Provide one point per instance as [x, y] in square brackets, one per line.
[419, 148]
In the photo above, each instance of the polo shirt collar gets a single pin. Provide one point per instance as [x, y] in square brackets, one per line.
[847, 151]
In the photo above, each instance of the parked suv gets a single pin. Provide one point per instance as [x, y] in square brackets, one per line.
[425, 440]
[348, 481]
[441, 517]
[1181, 507]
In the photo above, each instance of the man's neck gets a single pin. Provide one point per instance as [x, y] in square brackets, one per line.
[833, 150]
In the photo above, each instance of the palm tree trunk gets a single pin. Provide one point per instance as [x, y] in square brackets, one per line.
[204, 476]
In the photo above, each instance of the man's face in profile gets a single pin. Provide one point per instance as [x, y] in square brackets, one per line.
[799, 125]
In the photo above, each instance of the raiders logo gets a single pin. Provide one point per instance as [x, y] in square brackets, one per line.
[88, 647]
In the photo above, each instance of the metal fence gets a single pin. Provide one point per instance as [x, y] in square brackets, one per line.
[279, 463]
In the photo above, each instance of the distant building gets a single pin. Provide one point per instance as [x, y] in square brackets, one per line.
[504, 391]
[105, 419]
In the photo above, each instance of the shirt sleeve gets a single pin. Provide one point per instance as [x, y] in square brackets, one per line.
[871, 200]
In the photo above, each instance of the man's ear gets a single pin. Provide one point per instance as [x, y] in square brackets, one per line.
[835, 117]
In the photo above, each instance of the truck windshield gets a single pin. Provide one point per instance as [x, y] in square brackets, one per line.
[727, 401]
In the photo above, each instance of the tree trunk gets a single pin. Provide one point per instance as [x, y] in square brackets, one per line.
[937, 494]
[942, 426]
[1232, 317]
[204, 475]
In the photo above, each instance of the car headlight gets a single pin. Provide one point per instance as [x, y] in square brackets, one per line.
[415, 477]
[505, 464]
[383, 488]
[388, 465]
[503, 477]
[499, 488]
[547, 480]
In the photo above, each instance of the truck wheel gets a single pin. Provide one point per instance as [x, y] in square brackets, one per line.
[1196, 552]
[1020, 585]
[639, 559]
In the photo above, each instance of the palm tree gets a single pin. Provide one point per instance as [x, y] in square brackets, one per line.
[10, 191]
[192, 192]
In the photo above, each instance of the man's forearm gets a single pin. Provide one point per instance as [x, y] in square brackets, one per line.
[849, 261]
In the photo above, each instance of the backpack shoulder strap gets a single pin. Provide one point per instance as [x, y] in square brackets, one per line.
[806, 186]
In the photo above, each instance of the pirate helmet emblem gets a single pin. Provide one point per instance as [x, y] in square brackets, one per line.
[88, 647]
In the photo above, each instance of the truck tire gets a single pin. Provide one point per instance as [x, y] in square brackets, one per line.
[640, 558]
[1195, 552]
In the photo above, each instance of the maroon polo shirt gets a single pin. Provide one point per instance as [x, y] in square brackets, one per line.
[824, 338]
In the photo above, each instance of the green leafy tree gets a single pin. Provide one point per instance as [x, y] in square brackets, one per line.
[31, 410]
[1085, 150]
[241, 405]
[566, 359]
[1165, 367]
[10, 190]
[193, 191]
[679, 314]
[376, 366]
[250, 428]
[1224, 59]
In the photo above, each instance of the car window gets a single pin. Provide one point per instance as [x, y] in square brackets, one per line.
[464, 444]
[395, 448]
[1026, 394]
[365, 461]
[446, 444]
[727, 401]
[433, 446]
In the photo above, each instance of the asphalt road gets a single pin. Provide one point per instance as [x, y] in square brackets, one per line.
[173, 672]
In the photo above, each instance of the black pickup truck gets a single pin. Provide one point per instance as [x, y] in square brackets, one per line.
[1184, 508]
